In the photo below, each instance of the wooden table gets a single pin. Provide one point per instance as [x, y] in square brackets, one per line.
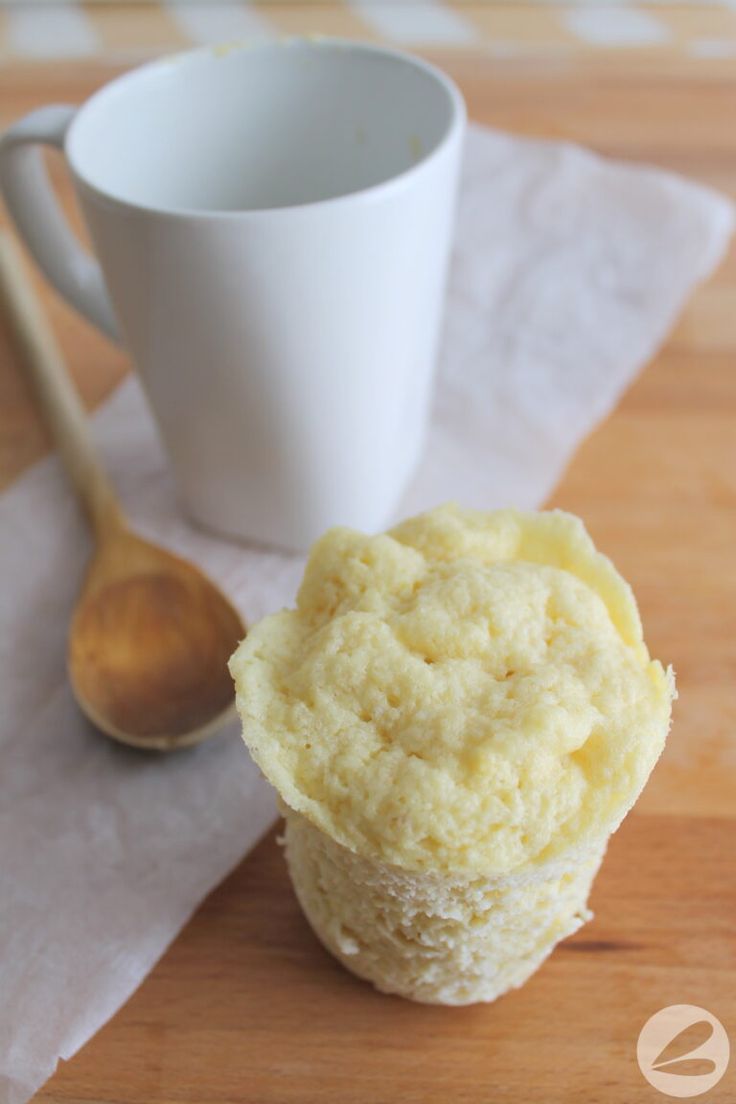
[246, 1006]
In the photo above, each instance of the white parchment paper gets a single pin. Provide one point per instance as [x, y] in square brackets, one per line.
[567, 272]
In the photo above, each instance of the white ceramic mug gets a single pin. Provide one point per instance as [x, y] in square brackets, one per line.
[272, 224]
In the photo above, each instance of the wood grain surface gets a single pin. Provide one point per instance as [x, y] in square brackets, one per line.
[245, 1006]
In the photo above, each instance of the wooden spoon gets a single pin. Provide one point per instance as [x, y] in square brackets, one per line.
[151, 635]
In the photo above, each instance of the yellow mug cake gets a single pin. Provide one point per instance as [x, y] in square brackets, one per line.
[456, 716]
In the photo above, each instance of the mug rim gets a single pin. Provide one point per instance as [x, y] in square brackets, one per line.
[453, 130]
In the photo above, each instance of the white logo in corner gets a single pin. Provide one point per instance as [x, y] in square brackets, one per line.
[683, 1050]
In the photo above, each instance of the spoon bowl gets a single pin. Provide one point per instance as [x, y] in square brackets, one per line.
[148, 647]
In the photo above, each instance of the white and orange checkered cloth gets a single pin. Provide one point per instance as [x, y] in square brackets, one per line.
[128, 32]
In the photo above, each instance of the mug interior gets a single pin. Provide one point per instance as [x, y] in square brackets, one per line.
[260, 127]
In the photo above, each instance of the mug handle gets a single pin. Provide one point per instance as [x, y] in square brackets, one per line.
[30, 199]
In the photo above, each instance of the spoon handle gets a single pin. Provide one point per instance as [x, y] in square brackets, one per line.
[43, 366]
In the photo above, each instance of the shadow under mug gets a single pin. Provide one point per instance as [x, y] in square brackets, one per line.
[273, 224]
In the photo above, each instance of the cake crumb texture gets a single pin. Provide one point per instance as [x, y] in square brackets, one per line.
[468, 694]
[433, 938]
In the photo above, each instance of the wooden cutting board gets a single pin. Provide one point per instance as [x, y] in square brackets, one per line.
[246, 1007]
